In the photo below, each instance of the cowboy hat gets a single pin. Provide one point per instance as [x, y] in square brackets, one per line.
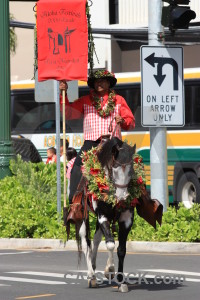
[101, 74]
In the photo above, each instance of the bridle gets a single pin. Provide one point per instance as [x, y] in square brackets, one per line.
[114, 161]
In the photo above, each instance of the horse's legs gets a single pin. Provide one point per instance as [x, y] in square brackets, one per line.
[96, 240]
[110, 244]
[125, 224]
[86, 246]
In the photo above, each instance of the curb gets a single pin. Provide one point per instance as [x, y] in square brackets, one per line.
[136, 247]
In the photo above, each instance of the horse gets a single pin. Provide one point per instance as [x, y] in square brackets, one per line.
[116, 159]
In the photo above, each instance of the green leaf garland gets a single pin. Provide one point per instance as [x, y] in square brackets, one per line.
[96, 101]
[100, 186]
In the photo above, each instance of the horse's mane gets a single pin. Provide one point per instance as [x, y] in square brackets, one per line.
[107, 149]
[111, 148]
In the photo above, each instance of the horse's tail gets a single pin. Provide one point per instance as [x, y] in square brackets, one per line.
[78, 240]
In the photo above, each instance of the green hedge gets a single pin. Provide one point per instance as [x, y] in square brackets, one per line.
[28, 209]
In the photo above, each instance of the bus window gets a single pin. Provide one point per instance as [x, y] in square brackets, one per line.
[197, 105]
[192, 105]
[28, 115]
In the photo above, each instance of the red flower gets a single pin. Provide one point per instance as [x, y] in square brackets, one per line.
[134, 202]
[140, 180]
[94, 171]
[121, 204]
[94, 197]
[105, 72]
[102, 187]
[137, 159]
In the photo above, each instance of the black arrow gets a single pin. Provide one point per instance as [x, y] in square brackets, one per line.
[161, 61]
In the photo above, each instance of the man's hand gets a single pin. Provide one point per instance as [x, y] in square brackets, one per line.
[63, 85]
[119, 120]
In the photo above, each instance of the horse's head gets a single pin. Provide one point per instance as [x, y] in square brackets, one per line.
[116, 157]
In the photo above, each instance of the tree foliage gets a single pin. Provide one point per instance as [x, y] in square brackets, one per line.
[28, 209]
[13, 37]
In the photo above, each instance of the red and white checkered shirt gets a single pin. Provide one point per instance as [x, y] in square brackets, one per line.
[94, 126]
[69, 167]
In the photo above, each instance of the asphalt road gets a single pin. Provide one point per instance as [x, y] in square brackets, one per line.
[54, 275]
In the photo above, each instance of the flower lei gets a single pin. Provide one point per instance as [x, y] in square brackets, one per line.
[100, 186]
[102, 74]
[96, 102]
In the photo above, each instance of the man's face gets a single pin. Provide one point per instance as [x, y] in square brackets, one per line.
[101, 85]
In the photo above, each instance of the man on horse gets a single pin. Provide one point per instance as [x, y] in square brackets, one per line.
[102, 110]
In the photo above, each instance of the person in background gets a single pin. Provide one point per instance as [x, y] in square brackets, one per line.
[71, 153]
[100, 110]
[51, 155]
[71, 156]
[61, 149]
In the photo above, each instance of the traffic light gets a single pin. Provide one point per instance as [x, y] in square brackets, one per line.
[175, 16]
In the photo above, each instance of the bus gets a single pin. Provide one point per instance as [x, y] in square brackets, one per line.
[36, 122]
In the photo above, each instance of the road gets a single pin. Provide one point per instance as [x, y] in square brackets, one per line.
[54, 275]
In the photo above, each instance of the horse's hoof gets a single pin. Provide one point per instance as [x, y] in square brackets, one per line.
[92, 283]
[123, 288]
[109, 270]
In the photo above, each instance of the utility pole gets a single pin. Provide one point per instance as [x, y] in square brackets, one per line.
[6, 150]
[158, 143]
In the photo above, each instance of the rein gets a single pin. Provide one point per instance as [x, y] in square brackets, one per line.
[110, 128]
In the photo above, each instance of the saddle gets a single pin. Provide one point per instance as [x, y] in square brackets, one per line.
[76, 212]
[150, 210]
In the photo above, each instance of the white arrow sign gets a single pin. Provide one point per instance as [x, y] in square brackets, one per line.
[162, 88]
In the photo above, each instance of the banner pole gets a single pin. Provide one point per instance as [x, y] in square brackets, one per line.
[64, 148]
[56, 97]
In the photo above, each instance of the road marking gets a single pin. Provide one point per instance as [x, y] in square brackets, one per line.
[171, 272]
[17, 279]
[79, 275]
[57, 275]
[5, 285]
[14, 253]
[152, 276]
[36, 296]
[159, 253]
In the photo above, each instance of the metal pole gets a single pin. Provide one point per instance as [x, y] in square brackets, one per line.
[64, 149]
[158, 143]
[56, 97]
[6, 149]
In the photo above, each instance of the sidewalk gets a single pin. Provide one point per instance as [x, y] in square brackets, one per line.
[137, 247]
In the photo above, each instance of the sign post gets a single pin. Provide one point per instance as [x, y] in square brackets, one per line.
[158, 142]
[6, 149]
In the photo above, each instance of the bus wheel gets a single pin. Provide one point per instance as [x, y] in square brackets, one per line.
[188, 190]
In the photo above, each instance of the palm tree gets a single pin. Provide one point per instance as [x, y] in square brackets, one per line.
[13, 37]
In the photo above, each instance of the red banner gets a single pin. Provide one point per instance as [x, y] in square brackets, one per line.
[62, 36]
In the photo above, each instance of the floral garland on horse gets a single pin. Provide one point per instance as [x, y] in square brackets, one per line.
[100, 187]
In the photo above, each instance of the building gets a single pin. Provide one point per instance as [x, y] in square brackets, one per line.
[120, 28]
